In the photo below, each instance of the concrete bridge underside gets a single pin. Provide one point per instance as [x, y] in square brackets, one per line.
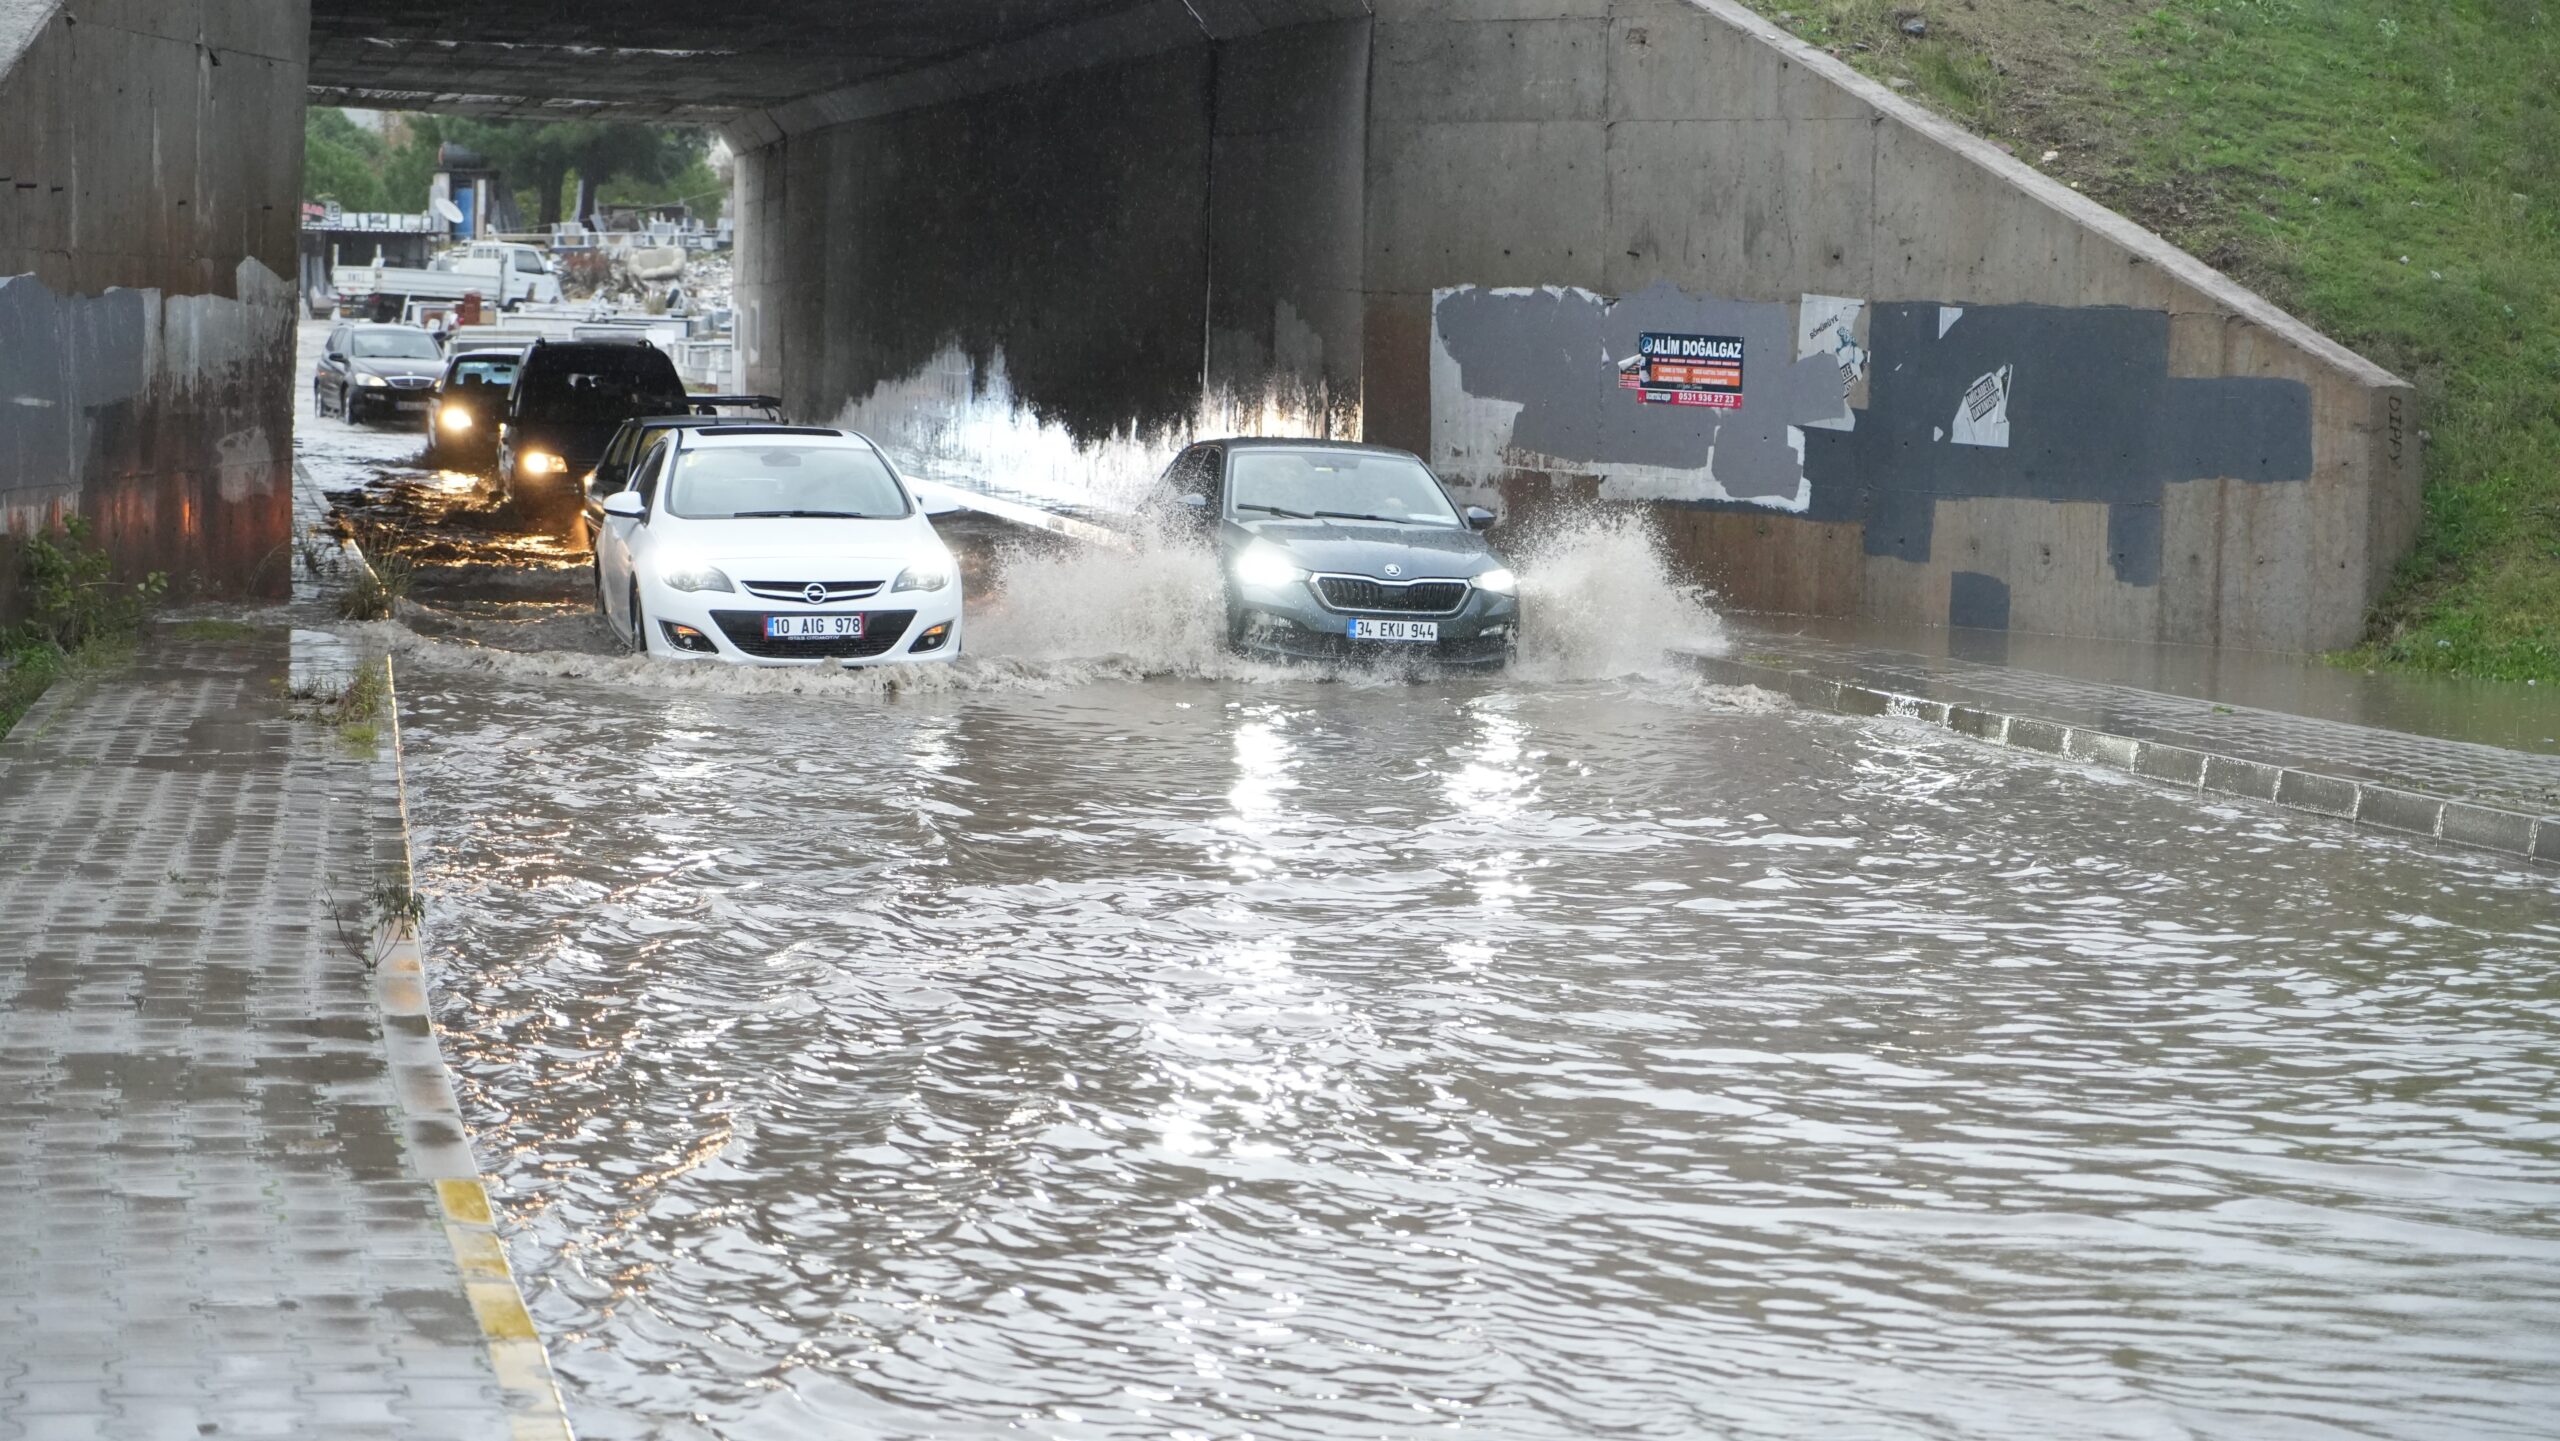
[1059, 236]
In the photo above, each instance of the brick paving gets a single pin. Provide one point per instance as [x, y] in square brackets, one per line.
[2472, 794]
[211, 1223]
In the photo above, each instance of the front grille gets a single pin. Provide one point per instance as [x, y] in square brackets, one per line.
[411, 382]
[881, 629]
[799, 589]
[1413, 597]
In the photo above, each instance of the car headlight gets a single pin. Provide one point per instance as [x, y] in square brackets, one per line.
[698, 577]
[375, 381]
[1265, 565]
[538, 462]
[931, 574]
[1499, 581]
[454, 417]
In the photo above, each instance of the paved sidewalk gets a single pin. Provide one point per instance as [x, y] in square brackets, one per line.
[212, 1220]
[2473, 795]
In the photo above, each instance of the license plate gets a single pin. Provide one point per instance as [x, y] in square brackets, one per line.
[1421, 630]
[813, 627]
[413, 405]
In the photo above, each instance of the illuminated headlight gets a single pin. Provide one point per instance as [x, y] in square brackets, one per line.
[929, 574]
[1499, 580]
[1263, 564]
[698, 577]
[374, 381]
[454, 417]
[537, 462]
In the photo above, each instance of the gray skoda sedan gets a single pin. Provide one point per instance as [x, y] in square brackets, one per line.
[1334, 551]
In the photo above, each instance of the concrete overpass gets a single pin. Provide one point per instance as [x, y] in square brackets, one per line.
[1019, 233]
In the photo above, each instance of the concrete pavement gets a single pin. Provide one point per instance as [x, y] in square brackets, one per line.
[233, 1201]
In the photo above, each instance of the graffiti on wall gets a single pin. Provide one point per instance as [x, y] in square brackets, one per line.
[1856, 413]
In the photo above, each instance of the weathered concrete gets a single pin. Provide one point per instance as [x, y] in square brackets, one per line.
[2055, 420]
[150, 172]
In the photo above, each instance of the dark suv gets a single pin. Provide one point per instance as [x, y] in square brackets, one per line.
[569, 398]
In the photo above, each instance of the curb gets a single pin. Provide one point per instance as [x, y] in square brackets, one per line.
[439, 1142]
[2516, 835]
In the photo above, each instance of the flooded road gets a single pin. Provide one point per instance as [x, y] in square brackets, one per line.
[1102, 1037]
[1219, 1057]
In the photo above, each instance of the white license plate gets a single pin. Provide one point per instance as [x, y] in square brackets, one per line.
[812, 627]
[1421, 630]
[413, 405]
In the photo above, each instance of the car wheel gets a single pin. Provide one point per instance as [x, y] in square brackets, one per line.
[639, 623]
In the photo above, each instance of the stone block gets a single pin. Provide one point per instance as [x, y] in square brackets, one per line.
[2174, 764]
[2397, 810]
[2099, 748]
[2231, 777]
[2327, 795]
[2488, 828]
[2047, 737]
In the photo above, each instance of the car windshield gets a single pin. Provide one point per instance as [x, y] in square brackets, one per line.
[741, 482]
[603, 387]
[1336, 484]
[392, 345]
[485, 372]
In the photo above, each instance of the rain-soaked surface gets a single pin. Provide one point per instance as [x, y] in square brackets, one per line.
[1103, 1037]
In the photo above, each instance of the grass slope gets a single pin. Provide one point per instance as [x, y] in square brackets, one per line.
[2387, 169]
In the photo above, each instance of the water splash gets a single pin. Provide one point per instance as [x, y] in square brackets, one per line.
[1600, 597]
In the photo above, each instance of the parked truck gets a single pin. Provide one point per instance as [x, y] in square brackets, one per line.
[506, 275]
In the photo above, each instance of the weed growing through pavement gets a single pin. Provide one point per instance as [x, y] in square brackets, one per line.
[78, 617]
[354, 708]
[378, 588]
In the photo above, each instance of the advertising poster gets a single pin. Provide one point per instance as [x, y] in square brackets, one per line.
[1685, 370]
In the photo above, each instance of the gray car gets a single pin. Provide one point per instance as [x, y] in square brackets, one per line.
[1334, 551]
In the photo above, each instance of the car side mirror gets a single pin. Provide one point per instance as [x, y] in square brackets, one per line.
[1478, 518]
[339, 356]
[625, 503]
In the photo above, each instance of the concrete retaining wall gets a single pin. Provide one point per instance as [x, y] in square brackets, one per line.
[1051, 284]
[1968, 394]
[150, 179]
[1965, 395]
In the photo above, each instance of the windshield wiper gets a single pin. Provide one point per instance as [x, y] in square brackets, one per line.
[1274, 510]
[800, 515]
[1350, 515]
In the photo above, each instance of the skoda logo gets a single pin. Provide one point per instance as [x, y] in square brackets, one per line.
[1394, 570]
[816, 593]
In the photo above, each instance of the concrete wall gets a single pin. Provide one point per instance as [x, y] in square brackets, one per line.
[150, 174]
[1969, 394]
[1050, 284]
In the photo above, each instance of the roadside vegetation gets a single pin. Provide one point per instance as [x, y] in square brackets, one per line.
[363, 168]
[78, 618]
[2389, 172]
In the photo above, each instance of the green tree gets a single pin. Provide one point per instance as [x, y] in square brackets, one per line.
[341, 160]
[539, 156]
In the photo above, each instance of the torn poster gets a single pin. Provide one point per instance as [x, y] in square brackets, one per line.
[1982, 417]
[1827, 325]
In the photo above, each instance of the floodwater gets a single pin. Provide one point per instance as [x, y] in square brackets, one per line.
[1102, 1037]
[1136, 1050]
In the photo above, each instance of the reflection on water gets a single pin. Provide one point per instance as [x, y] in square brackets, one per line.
[1528, 1058]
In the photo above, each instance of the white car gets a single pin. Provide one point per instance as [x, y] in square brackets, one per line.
[774, 545]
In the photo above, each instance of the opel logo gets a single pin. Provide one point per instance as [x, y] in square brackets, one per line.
[1395, 570]
[816, 593]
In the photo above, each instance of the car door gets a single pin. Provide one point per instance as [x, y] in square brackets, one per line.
[333, 361]
[618, 536]
[610, 471]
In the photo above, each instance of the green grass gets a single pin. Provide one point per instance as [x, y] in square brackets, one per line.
[2389, 171]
